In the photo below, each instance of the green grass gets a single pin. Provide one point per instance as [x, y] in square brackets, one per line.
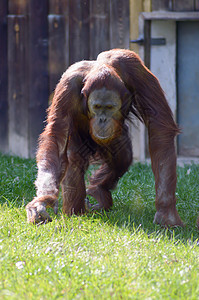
[115, 255]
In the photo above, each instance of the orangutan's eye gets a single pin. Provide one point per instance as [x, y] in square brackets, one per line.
[97, 106]
[109, 106]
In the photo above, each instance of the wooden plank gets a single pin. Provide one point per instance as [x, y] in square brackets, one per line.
[161, 5]
[17, 7]
[99, 27]
[135, 10]
[38, 69]
[147, 43]
[147, 5]
[78, 30]
[177, 16]
[183, 5]
[57, 60]
[147, 61]
[119, 24]
[67, 39]
[17, 93]
[57, 6]
[137, 130]
[3, 78]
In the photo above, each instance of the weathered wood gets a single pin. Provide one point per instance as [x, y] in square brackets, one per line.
[66, 28]
[78, 30]
[146, 5]
[18, 7]
[57, 61]
[3, 78]
[147, 43]
[119, 22]
[38, 68]
[17, 93]
[177, 16]
[57, 6]
[99, 27]
[135, 9]
[161, 5]
[183, 5]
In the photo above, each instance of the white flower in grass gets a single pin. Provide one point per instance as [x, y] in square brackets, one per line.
[48, 269]
[20, 264]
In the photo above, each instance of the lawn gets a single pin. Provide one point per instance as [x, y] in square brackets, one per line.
[116, 255]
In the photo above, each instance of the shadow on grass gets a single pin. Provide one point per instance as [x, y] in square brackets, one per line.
[134, 204]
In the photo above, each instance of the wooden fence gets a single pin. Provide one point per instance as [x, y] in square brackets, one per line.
[38, 41]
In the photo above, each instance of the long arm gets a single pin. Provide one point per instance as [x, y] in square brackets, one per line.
[150, 105]
[52, 158]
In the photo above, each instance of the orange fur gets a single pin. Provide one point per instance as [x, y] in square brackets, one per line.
[63, 160]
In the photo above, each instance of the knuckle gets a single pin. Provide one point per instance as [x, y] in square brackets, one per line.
[40, 208]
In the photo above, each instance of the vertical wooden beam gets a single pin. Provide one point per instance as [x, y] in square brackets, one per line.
[66, 28]
[137, 131]
[17, 93]
[78, 30]
[136, 7]
[57, 7]
[17, 7]
[56, 41]
[161, 5]
[3, 77]
[183, 5]
[38, 69]
[99, 27]
[119, 24]
[60, 10]
[147, 5]
[147, 43]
